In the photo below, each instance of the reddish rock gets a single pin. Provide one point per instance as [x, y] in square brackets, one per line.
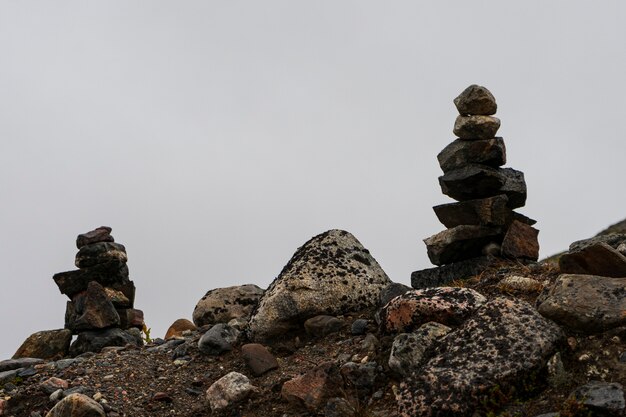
[315, 387]
[100, 234]
[162, 397]
[47, 344]
[596, 259]
[131, 317]
[178, 327]
[91, 310]
[520, 242]
[117, 298]
[258, 358]
[52, 384]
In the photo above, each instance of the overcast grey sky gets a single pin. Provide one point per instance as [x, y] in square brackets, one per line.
[217, 137]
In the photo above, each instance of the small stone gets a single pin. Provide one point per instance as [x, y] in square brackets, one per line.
[361, 376]
[572, 343]
[218, 339]
[602, 397]
[359, 327]
[97, 253]
[178, 327]
[97, 396]
[162, 397]
[557, 376]
[408, 349]
[228, 390]
[476, 100]
[522, 284]
[56, 396]
[369, 345]
[52, 384]
[47, 344]
[258, 358]
[313, 388]
[322, 325]
[76, 405]
[476, 127]
[100, 234]
[459, 153]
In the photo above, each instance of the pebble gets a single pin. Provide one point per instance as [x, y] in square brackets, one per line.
[359, 327]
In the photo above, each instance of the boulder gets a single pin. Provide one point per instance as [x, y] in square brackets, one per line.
[229, 390]
[408, 349]
[218, 339]
[330, 274]
[602, 398]
[476, 127]
[586, 303]
[611, 239]
[11, 364]
[258, 358]
[445, 305]
[440, 276]
[221, 305]
[100, 234]
[95, 340]
[47, 344]
[459, 153]
[322, 325]
[314, 388]
[77, 405]
[490, 211]
[101, 252]
[594, 259]
[460, 243]
[520, 242]
[90, 310]
[178, 327]
[505, 342]
[391, 291]
[476, 99]
[113, 274]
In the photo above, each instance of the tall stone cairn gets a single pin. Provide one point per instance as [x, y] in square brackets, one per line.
[482, 223]
[101, 294]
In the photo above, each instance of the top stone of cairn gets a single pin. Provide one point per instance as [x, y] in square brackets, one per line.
[476, 100]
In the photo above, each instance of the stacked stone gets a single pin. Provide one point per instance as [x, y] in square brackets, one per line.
[482, 222]
[100, 291]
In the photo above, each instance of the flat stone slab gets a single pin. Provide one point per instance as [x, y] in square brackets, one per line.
[443, 275]
[490, 211]
[595, 259]
[586, 303]
[110, 274]
[460, 243]
[476, 127]
[459, 153]
[97, 253]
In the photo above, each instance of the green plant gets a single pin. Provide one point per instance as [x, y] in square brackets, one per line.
[146, 334]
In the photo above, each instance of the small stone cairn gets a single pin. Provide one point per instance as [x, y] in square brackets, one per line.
[100, 291]
[482, 223]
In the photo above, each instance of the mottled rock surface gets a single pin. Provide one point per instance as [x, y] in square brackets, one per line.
[602, 398]
[476, 99]
[47, 344]
[330, 274]
[77, 405]
[476, 127]
[490, 152]
[322, 325]
[229, 390]
[408, 349]
[392, 291]
[97, 253]
[460, 243]
[221, 305]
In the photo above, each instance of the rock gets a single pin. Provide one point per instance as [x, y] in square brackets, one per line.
[90, 310]
[361, 376]
[258, 358]
[100, 234]
[459, 153]
[611, 239]
[557, 376]
[392, 291]
[476, 127]
[117, 298]
[228, 390]
[76, 405]
[359, 327]
[224, 304]
[586, 303]
[490, 211]
[95, 340]
[97, 253]
[130, 318]
[602, 397]
[503, 343]
[112, 274]
[338, 407]
[596, 259]
[52, 384]
[370, 344]
[330, 274]
[460, 243]
[445, 305]
[218, 339]
[47, 344]
[3, 406]
[479, 181]
[314, 387]
[178, 327]
[437, 277]
[162, 397]
[476, 99]
[408, 349]
[10, 364]
[622, 249]
[8, 376]
[520, 242]
[522, 284]
[322, 325]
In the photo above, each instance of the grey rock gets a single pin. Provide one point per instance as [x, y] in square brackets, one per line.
[602, 397]
[392, 291]
[476, 127]
[369, 345]
[459, 153]
[167, 346]
[47, 344]
[490, 211]
[361, 376]
[8, 376]
[77, 405]
[611, 239]
[359, 327]
[10, 364]
[100, 234]
[66, 363]
[218, 339]
[502, 343]
[229, 390]
[585, 303]
[594, 259]
[322, 325]
[408, 349]
[330, 274]
[476, 99]
[440, 276]
[95, 340]
[461, 243]
[221, 305]
[97, 253]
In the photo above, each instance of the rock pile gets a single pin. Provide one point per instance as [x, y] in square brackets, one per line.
[482, 222]
[101, 307]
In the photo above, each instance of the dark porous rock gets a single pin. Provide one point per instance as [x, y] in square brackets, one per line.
[218, 339]
[602, 398]
[322, 325]
[100, 234]
[445, 305]
[10, 364]
[90, 310]
[359, 327]
[221, 305]
[95, 340]
[361, 376]
[585, 303]
[331, 274]
[476, 99]
[109, 274]
[460, 243]
[47, 344]
[408, 349]
[392, 291]
[258, 358]
[443, 275]
[314, 388]
[459, 153]
[131, 318]
[479, 181]
[98, 253]
[178, 327]
[77, 405]
[504, 343]
[520, 242]
[490, 211]
[476, 127]
[597, 259]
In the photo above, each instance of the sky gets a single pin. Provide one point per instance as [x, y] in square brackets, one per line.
[215, 138]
